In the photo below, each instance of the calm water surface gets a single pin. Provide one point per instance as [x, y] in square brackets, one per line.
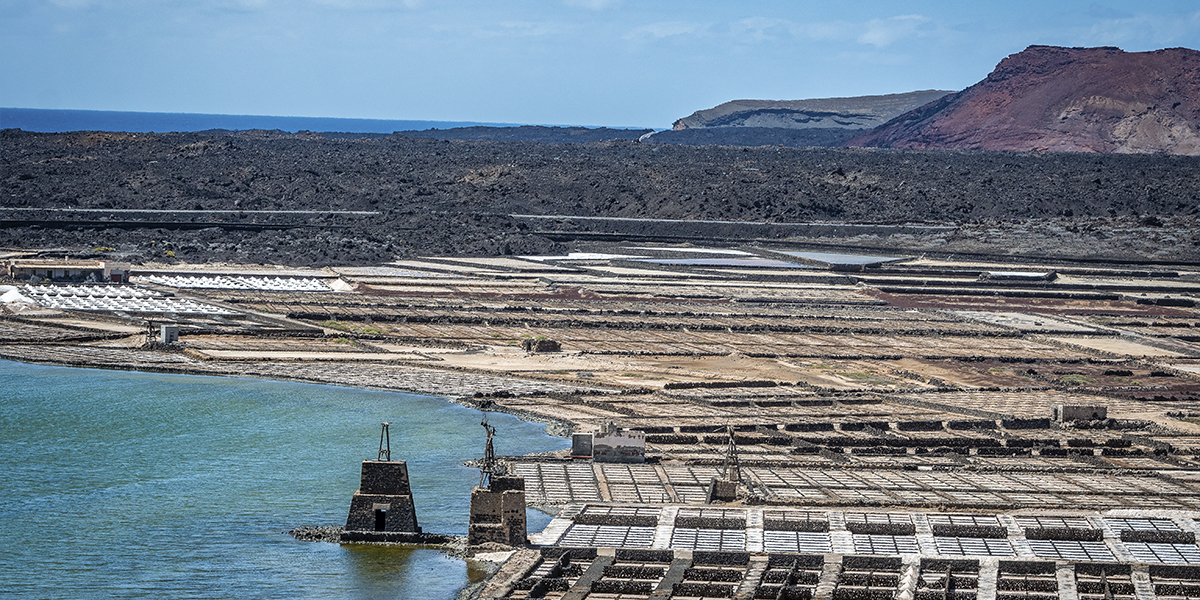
[125, 484]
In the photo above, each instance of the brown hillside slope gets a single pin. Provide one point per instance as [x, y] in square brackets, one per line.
[1064, 99]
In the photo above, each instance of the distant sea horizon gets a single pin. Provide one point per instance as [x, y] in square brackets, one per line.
[61, 120]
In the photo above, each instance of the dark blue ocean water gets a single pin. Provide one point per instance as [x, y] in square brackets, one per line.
[136, 485]
[42, 120]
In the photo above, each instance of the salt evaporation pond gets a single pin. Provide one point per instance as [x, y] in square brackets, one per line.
[842, 259]
[765, 263]
[123, 484]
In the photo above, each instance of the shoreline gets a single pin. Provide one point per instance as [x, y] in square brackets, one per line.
[456, 546]
[554, 427]
[218, 395]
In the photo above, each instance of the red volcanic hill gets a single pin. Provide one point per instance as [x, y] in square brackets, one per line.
[1066, 100]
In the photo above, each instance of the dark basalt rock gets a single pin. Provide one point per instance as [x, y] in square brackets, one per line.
[457, 198]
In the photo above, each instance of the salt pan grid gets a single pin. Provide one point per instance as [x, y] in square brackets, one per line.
[1072, 550]
[996, 482]
[556, 483]
[1134, 524]
[964, 520]
[712, 513]
[621, 511]
[806, 542]
[1096, 500]
[1036, 499]
[881, 518]
[627, 579]
[685, 475]
[1147, 501]
[698, 584]
[965, 546]
[1026, 586]
[849, 495]
[1036, 522]
[707, 342]
[933, 584]
[608, 536]
[1155, 485]
[798, 494]
[643, 483]
[780, 478]
[1052, 483]
[1091, 586]
[724, 540]
[919, 497]
[977, 498]
[691, 494]
[796, 542]
[794, 515]
[865, 581]
[578, 567]
[1105, 484]
[1172, 586]
[240, 282]
[634, 483]
[1140, 463]
[889, 480]
[942, 481]
[1164, 553]
[833, 479]
[1007, 489]
[886, 544]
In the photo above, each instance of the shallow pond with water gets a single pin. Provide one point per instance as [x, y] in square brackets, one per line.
[126, 484]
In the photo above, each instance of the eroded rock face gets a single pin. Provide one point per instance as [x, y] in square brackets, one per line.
[858, 112]
[1064, 99]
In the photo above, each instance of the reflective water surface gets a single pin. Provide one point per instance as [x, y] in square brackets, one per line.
[125, 484]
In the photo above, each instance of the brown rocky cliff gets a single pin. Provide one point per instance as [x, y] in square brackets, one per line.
[1064, 99]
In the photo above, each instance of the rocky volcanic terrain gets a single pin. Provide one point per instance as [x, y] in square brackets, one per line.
[438, 197]
[530, 133]
[1064, 99]
[809, 137]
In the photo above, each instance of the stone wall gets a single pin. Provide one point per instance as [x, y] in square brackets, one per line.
[383, 502]
[498, 512]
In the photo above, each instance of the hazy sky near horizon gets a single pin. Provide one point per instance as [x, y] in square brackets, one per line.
[578, 62]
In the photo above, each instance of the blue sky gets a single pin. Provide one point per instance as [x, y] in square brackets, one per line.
[581, 62]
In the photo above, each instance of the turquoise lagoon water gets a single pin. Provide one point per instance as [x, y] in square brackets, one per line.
[138, 485]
